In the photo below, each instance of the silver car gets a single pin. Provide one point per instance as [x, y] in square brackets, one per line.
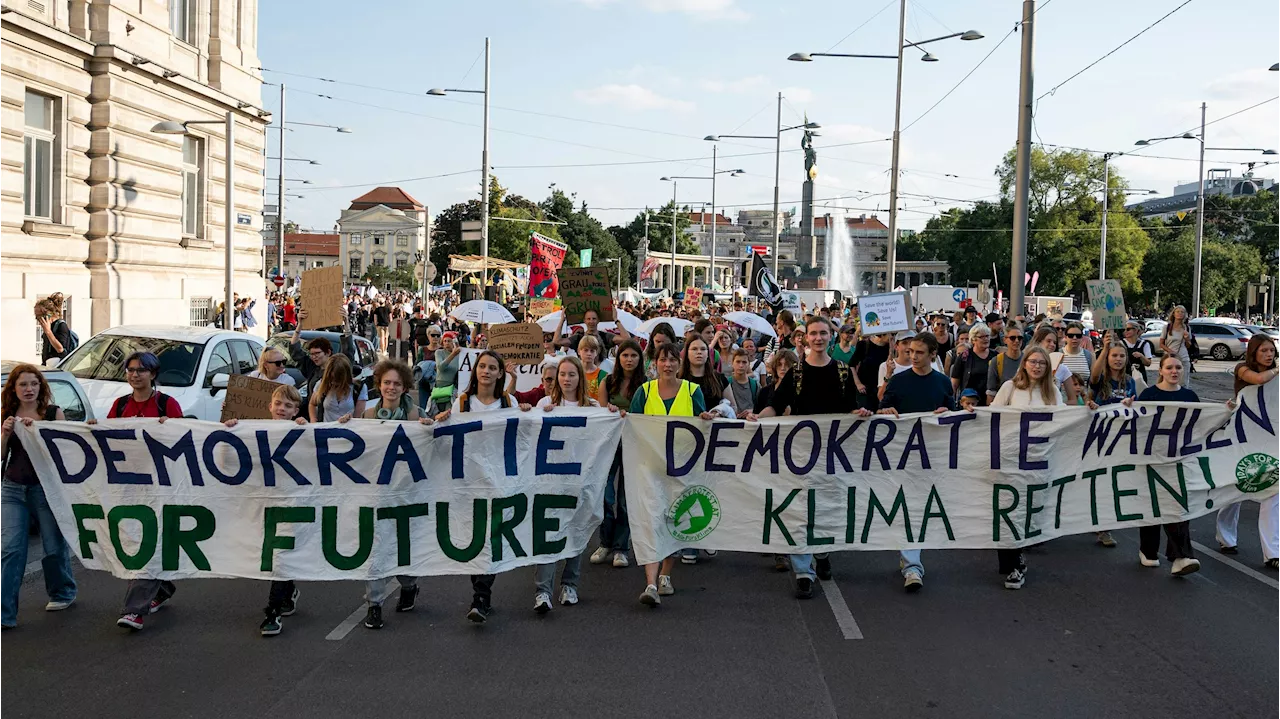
[1220, 341]
[67, 392]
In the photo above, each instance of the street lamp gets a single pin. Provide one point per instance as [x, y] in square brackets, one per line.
[295, 159]
[169, 127]
[1195, 279]
[484, 170]
[674, 228]
[280, 182]
[711, 271]
[892, 253]
[619, 261]
[1106, 197]
[777, 161]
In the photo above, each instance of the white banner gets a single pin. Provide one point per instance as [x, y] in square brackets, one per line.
[527, 376]
[995, 478]
[480, 493]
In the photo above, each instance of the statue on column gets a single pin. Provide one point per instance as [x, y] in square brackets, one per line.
[810, 154]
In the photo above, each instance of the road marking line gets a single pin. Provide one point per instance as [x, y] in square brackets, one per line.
[844, 618]
[1213, 554]
[342, 630]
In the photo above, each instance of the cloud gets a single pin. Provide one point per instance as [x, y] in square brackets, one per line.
[798, 94]
[1241, 85]
[753, 83]
[631, 97]
[698, 9]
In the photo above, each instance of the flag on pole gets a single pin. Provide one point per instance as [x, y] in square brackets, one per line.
[762, 283]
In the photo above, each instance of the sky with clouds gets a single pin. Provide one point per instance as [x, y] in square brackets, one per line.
[604, 97]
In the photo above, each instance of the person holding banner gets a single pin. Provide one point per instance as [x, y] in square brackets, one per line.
[282, 597]
[616, 393]
[144, 596]
[1178, 548]
[817, 385]
[337, 397]
[486, 393]
[667, 396]
[1258, 367]
[662, 334]
[27, 398]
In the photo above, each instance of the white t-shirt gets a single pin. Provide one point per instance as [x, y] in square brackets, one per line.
[478, 406]
[546, 402]
[884, 369]
[1010, 396]
[284, 378]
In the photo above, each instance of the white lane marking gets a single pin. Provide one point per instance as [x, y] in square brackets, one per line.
[342, 630]
[33, 568]
[1214, 554]
[844, 618]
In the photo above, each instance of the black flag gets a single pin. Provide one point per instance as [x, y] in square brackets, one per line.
[763, 284]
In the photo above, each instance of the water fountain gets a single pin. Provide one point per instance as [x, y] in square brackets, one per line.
[840, 269]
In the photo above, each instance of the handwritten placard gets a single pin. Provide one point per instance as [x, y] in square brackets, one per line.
[1107, 302]
[693, 298]
[322, 298]
[248, 398]
[586, 288]
[888, 312]
[519, 343]
[543, 306]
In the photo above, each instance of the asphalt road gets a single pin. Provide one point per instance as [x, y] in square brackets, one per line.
[1093, 634]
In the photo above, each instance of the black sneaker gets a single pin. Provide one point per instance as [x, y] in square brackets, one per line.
[780, 563]
[290, 605]
[479, 612]
[271, 625]
[408, 595]
[804, 588]
[824, 568]
[373, 620]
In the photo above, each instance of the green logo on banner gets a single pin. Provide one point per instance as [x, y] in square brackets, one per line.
[1256, 472]
[694, 514]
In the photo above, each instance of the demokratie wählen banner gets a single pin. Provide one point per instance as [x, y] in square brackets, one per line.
[494, 491]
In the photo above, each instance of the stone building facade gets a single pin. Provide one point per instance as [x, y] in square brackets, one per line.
[385, 227]
[125, 222]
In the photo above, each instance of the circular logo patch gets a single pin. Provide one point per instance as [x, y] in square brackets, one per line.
[1256, 472]
[694, 514]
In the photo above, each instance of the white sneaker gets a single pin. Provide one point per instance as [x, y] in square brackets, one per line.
[568, 595]
[1148, 562]
[620, 560]
[1184, 566]
[649, 597]
[58, 605]
[912, 581]
[600, 556]
[542, 602]
[664, 585]
[710, 552]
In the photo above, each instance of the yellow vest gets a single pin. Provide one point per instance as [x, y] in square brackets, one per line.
[682, 406]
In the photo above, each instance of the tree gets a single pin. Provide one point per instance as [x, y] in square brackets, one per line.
[1225, 268]
[507, 240]
[1059, 178]
[583, 231]
[970, 240]
[630, 236]
[398, 278]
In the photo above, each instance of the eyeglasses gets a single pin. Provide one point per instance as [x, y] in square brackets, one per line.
[136, 370]
[1074, 335]
[1013, 338]
[1037, 363]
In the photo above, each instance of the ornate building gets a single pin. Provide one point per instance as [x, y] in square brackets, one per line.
[384, 227]
[125, 222]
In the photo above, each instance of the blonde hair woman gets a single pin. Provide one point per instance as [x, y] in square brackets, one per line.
[271, 365]
[1176, 339]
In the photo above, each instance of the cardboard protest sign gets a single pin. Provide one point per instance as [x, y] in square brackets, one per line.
[1107, 302]
[248, 398]
[586, 288]
[322, 298]
[888, 312]
[543, 306]
[692, 298]
[791, 301]
[519, 343]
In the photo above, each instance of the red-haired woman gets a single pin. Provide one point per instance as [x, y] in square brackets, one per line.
[26, 398]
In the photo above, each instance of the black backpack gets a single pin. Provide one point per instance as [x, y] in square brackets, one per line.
[162, 402]
[73, 340]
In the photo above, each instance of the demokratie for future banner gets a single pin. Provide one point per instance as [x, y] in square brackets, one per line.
[467, 496]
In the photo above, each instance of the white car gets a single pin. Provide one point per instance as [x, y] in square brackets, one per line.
[195, 364]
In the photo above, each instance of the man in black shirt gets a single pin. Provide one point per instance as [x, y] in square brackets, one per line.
[382, 315]
[818, 385]
[870, 354]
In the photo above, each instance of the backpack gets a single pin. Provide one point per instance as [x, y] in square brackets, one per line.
[842, 370]
[162, 402]
[72, 343]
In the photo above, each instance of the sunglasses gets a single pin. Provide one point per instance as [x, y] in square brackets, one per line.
[1014, 338]
[1074, 335]
[278, 363]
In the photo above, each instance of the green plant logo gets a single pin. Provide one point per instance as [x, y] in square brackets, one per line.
[694, 514]
[1257, 472]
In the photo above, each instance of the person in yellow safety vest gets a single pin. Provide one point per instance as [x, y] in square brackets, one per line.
[667, 396]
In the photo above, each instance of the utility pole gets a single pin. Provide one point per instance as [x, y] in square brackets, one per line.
[484, 184]
[1195, 278]
[280, 193]
[891, 251]
[777, 169]
[674, 225]
[1106, 196]
[1022, 179]
[711, 282]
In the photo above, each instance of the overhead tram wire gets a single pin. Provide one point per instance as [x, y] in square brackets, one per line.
[1153, 143]
[966, 77]
[887, 5]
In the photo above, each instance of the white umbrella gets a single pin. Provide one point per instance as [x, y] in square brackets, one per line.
[751, 321]
[677, 325]
[483, 311]
[549, 322]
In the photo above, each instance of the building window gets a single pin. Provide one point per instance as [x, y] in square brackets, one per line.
[379, 262]
[37, 167]
[402, 241]
[182, 20]
[354, 269]
[377, 240]
[402, 261]
[356, 238]
[201, 312]
[191, 216]
[318, 264]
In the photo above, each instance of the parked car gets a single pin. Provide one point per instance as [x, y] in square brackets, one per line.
[67, 392]
[1155, 325]
[1271, 332]
[1219, 340]
[195, 364]
[361, 351]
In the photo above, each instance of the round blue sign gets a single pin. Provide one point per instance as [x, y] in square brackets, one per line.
[959, 295]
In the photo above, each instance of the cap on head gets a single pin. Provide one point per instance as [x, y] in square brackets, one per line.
[969, 393]
[903, 336]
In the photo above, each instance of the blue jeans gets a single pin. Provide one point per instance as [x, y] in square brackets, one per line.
[802, 564]
[615, 529]
[19, 504]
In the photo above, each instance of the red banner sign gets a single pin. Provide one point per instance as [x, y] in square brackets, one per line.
[547, 257]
